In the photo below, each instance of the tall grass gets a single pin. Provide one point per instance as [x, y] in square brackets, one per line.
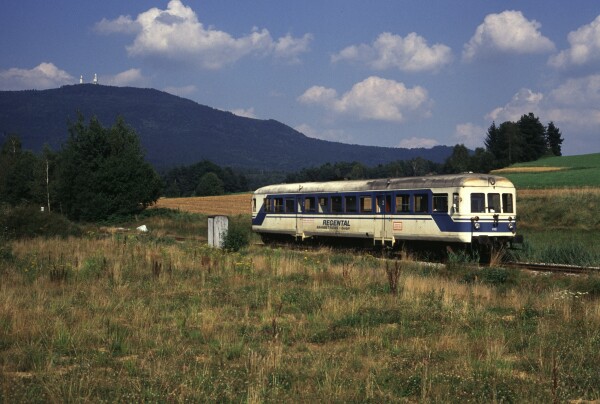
[279, 325]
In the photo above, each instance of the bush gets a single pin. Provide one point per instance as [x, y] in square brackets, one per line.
[236, 237]
[28, 221]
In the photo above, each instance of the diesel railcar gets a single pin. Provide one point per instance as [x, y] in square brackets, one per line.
[463, 209]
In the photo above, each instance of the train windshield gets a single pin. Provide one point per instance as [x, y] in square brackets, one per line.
[477, 202]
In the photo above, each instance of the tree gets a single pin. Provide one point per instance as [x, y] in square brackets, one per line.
[554, 139]
[210, 184]
[102, 172]
[17, 173]
[459, 160]
[532, 133]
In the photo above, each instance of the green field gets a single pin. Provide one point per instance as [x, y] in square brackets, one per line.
[580, 171]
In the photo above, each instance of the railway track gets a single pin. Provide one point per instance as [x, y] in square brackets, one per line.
[557, 268]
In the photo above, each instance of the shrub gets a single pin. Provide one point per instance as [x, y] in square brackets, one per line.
[236, 237]
[28, 221]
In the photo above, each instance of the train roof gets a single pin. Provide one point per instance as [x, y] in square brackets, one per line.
[432, 181]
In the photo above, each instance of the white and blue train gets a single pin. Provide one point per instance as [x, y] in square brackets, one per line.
[454, 209]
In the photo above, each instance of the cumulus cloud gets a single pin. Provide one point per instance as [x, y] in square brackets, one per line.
[332, 135]
[470, 135]
[418, 142]
[176, 34]
[131, 77]
[43, 76]
[574, 106]
[584, 49]
[246, 113]
[576, 102]
[409, 54]
[181, 91]
[524, 101]
[374, 98]
[507, 32]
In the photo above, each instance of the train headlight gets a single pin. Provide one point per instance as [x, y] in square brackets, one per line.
[511, 225]
[476, 225]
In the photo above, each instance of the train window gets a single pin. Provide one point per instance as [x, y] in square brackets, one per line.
[494, 203]
[477, 203]
[267, 203]
[290, 206]
[278, 205]
[402, 203]
[440, 203]
[310, 204]
[507, 203]
[421, 203]
[366, 204]
[336, 204]
[351, 204]
[323, 204]
[253, 204]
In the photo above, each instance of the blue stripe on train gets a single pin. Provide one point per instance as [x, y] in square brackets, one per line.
[445, 223]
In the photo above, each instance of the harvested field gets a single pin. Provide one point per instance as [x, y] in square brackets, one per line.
[527, 170]
[209, 205]
[557, 192]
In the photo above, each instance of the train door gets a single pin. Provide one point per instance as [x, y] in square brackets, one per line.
[383, 227]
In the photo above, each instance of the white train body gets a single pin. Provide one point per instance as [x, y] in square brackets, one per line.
[461, 208]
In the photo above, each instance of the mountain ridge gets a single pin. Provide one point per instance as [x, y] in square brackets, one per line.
[176, 131]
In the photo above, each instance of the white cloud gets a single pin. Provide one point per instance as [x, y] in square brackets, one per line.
[131, 77]
[574, 107]
[332, 135]
[410, 54]
[576, 102]
[418, 142]
[507, 32]
[523, 102]
[176, 34]
[374, 98]
[585, 47]
[121, 25]
[43, 76]
[247, 113]
[181, 91]
[470, 135]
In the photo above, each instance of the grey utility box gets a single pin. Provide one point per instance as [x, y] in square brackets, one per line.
[217, 228]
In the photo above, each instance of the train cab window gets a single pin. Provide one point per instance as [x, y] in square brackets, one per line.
[421, 203]
[290, 205]
[507, 203]
[253, 204]
[267, 204]
[366, 204]
[440, 203]
[477, 203]
[402, 203]
[493, 203]
[350, 204]
[323, 204]
[455, 203]
[310, 204]
[278, 205]
[336, 204]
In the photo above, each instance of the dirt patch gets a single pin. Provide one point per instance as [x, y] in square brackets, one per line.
[210, 205]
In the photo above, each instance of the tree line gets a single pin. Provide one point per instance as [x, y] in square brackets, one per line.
[98, 173]
[101, 172]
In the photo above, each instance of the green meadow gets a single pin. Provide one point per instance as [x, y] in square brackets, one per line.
[576, 171]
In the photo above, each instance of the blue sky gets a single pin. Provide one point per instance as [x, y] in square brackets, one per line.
[388, 73]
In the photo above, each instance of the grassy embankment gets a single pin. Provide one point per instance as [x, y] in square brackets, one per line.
[129, 317]
[558, 201]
